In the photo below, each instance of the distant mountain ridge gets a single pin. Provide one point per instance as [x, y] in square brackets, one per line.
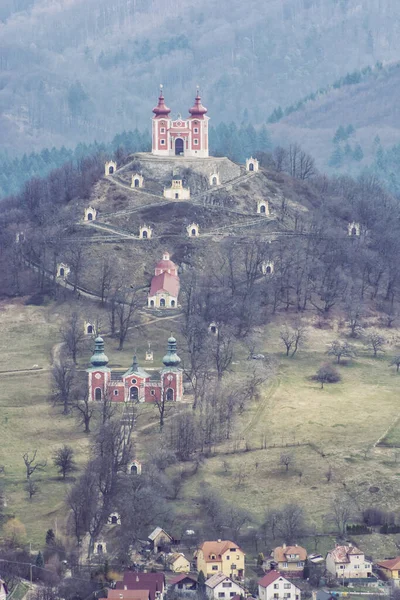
[370, 107]
[79, 70]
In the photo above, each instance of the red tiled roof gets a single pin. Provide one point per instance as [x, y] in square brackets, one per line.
[128, 594]
[154, 582]
[218, 548]
[269, 578]
[165, 282]
[281, 553]
[182, 577]
[341, 553]
[393, 564]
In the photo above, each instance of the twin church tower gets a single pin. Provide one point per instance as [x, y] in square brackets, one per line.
[180, 137]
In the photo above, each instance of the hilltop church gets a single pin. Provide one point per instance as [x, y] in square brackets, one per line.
[180, 137]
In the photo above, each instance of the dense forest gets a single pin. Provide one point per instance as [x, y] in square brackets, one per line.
[78, 71]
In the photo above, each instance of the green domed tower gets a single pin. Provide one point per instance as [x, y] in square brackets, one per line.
[172, 374]
[99, 359]
[171, 360]
[99, 374]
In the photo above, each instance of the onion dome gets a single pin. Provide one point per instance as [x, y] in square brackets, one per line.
[161, 110]
[99, 359]
[198, 110]
[171, 360]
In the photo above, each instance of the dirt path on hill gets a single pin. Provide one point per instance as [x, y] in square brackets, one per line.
[264, 405]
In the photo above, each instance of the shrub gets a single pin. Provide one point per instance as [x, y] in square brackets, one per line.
[37, 299]
[327, 374]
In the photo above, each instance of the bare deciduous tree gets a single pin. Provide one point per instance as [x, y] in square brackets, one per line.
[106, 278]
[291, 522]
[32, 488]
[375, 341]
[395, 362]
[293, 338]
[31, 465]
[341, 512]
[341, 348]
[64, 384]
[73, 335]
[286, 460]
[84, 409]
[124, 307]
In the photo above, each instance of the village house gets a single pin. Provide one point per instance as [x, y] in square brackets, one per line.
[274, 586]
[178, 563]
[159, 540]
[290, 560]
[220, 586]
[390, 569]
[164, 288]
[153, 583]
[221, 556]
[135, 385]
[183, 583]
[347, 563]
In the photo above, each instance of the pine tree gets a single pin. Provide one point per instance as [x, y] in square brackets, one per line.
[340, 135]
[348, 150]
[39, 560]
[358, 154]
[336, 159]
[350, 130]
[264, 140]
[50, 537]
[201, 582]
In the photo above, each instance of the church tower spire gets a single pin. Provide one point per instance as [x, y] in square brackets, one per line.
[161, 110]
[198, 110]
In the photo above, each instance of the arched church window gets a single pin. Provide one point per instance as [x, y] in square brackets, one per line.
[97, 394]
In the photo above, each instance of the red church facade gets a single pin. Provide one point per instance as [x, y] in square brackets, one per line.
[135, 385]
[180, 137]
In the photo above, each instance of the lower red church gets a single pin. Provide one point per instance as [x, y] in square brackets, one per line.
[135, 385]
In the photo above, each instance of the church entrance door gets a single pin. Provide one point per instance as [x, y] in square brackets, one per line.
[179, 147]
[134, 394]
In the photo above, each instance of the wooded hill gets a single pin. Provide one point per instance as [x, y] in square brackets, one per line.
[317, 266]
[346, 126]
[83, 70]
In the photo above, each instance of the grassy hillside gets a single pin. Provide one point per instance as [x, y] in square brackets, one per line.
[86, 69]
